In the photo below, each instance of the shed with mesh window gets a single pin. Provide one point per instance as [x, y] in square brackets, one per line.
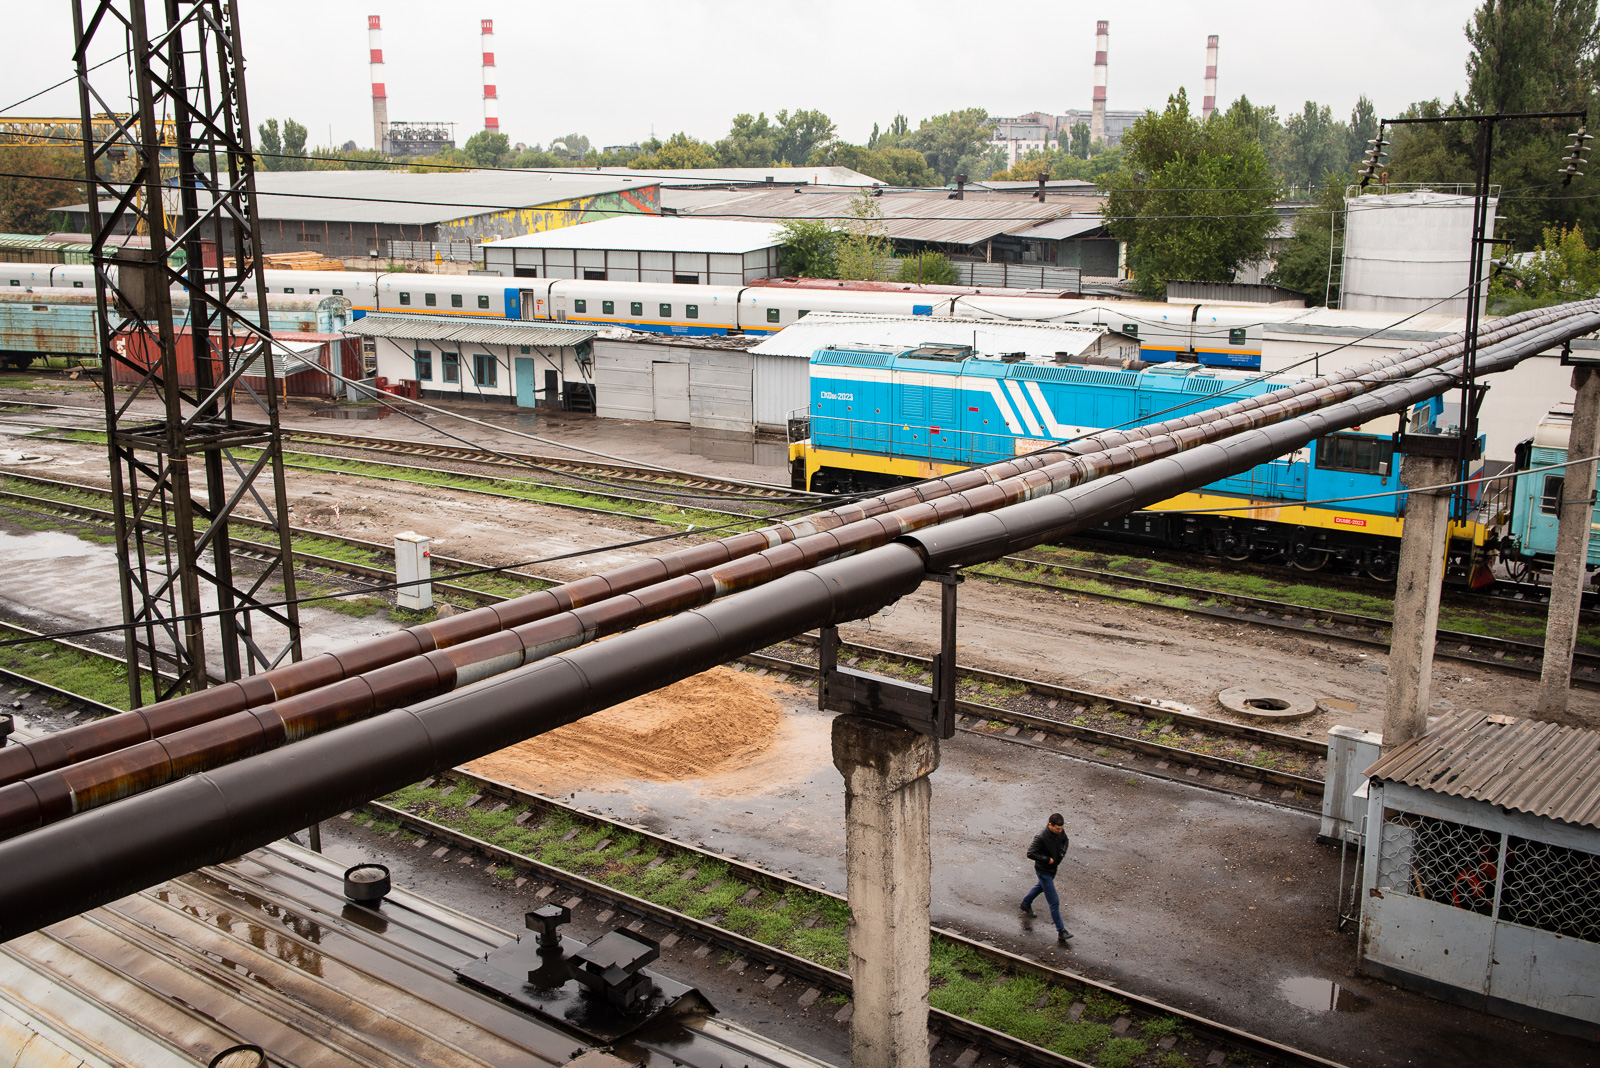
[1482, 869]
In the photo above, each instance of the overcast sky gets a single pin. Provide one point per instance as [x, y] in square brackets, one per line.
[616, 70]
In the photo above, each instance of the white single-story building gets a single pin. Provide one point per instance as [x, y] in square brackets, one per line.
[503, 361]
[639, 248]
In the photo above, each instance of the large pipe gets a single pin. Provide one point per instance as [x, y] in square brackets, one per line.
[1209, 104]
[58, 794]
[464, 634]
[380, 92]
[61, 870]
[1097, 113]
[491, 102]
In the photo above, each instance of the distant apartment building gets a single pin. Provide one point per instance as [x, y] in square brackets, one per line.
[1038, 130]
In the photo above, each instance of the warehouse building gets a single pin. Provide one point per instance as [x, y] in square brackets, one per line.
[644, 249]
[367, 215]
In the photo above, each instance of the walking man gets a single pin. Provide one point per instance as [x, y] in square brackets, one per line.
[1048, 847]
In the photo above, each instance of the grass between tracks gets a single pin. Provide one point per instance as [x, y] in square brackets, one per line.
[1485, 620]
[1080, 1022]
[68, 669]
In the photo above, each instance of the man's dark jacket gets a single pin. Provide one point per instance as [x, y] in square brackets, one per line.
[1047, 850]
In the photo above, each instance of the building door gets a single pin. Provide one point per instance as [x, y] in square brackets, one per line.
[552, 390]
[671, 384]
[527, 383]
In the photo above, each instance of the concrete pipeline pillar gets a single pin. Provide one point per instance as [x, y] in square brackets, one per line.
[888, 859]
[1575, 517]
[1416, 597]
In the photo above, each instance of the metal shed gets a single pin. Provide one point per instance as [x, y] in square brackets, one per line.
[1482, 869]
[640, 249]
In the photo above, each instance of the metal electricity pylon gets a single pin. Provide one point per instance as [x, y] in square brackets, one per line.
[179, 478]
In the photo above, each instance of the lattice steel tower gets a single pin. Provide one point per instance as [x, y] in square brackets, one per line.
[194, 196]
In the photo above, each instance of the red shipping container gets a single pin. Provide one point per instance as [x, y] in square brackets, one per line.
[330, 351]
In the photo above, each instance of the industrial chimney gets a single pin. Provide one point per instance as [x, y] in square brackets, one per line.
[1097, 117]
[380, 97]
[1210, 103]
[491, 113]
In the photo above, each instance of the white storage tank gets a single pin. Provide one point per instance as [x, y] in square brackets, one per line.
[1404, 252]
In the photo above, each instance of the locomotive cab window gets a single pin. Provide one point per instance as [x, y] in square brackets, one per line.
[1236, 335]
[608, 307]
[636, 307]
[1355, 453]
[483, 301]
[1550, 500]
[455, 300]
[581, 306]
[772, 315]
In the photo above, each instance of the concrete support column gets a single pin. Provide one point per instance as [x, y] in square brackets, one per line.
[1572, 546]
[888, 858]
[1416, 597]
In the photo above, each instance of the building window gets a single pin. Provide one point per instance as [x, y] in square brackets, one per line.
[691, 311]
[685, 279]
[1550, 501]
[581, 307]
[594, 276]
[483, 301]
[772, 315]
[483, 370]
[405, 298]
[666, 311]
[455, 300]
[1355, 453]
[636, 307]
[424, 364]
[452, 366]
[608, 307]
[430, 299]
[524, 350]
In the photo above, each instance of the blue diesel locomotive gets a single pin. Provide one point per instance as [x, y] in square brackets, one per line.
[882, 417]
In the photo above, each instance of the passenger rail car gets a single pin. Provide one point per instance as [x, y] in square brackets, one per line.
[881, 417]
[1201, 334]
[1529, 545]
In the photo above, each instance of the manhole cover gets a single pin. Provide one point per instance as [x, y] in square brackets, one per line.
[13, 458]
[1267, 702]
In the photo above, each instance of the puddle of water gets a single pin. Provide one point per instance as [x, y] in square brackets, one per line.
[378, 412]
[1319, 995]
[47, 545]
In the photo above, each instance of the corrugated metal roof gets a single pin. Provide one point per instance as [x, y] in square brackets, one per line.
[468, 331]
[913, 216]
[751, 175]
[1518, 764]
[288, 358]
[651, 233]
[1061, 229]
[822, 329]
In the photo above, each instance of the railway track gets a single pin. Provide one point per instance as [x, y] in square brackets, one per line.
[596, 852]
[1504, 654]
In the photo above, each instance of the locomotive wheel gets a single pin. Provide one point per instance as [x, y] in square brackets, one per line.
[1238, 552]
[1307, 558]
[1385, 567]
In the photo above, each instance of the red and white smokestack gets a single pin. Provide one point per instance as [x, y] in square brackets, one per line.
[1097, 116]
[491, 104]
[380, 96]
[1210, 104]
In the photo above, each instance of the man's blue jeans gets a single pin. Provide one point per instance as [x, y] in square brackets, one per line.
[1047, 887]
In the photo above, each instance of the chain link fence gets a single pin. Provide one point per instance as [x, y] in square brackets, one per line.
[1516, 880]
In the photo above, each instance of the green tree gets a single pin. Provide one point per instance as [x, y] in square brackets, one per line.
[1192, 200]
[1313, 145]
[751, 142]
[929, 269]
[1563, 268]
[269, 143]
[577, 145]
[1078, 140]
[679, 152]
[283, 149]
[46, 177]
[809, 248]
[798, 133]
[902, 167]
[1303, 264]
[486, 149]
[1362, 129]
[864, 245]
[945, 141]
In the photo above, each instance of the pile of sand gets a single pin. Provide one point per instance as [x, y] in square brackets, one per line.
[710, 723]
